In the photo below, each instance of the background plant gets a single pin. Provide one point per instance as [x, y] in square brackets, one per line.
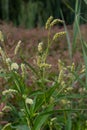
[30, 13]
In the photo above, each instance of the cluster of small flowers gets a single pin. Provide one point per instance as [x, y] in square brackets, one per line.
[17, 47]
[12, 66]
[1, 37]
[29, 101]
[57, 35]
[23, 69]
[42, 64]
[66, 75]
[47, 26]
[50, 22]
[9, 91]
[40, 58]
[40, 47]
[3, 56]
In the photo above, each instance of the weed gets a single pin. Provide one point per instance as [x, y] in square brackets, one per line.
[57, 103]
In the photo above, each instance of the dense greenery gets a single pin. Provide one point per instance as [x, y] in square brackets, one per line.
[32, 13]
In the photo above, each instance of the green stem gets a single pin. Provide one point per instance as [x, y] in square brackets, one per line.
[48, 46]
[29, 120]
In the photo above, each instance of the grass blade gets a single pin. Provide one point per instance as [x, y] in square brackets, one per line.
[76, 23]
[68, 37]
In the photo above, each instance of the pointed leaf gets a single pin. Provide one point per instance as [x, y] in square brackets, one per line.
[7, 127]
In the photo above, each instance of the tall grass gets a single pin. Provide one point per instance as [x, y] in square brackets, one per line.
[78, 18]
[30, 13]
[76, 23]
[77, 33]
[68, 39]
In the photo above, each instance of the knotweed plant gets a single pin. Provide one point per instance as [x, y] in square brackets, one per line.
[56, 103]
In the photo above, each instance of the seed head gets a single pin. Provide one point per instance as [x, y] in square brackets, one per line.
[2, 54]
[8, 62]
[39, 60]
[40, 49]
[60, 65]
[83, 69]
[23, 68]
[73, 67]
[60, 78]
[14, 66]
[57, 35]
[9, 91]
[47, 26]
[17, 47]
[1, 37]
[29, 101]
[64, 102]
[55, 21]
[45, 65]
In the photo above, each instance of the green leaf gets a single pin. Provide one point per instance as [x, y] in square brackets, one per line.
[40, 120]
[30, 66]
[36, 92]
[50, 92]
[7, 127]
[4, 75]
[85, 1]
[22, 127]
[39, 102]
[69, 122]
[85, 61]
[76, 23]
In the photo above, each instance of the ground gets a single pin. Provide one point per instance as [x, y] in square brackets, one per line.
[31, 38]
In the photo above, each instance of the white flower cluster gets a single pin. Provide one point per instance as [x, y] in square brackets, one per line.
[14, 66]
[29, 101]
[40, 47]
[9, 91]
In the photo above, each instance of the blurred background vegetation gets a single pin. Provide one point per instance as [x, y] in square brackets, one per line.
[34, 13]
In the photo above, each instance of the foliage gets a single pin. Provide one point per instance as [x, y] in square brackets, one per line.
[52, 102]
[33, 13]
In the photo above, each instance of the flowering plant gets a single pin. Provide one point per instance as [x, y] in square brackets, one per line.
[51, 102]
